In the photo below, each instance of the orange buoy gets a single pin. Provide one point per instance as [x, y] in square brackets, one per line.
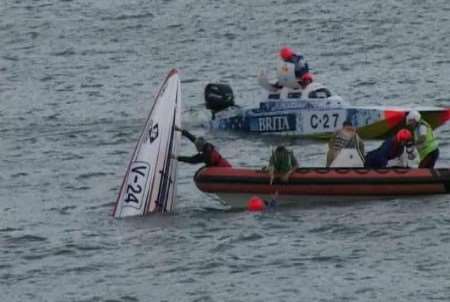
[255, 204]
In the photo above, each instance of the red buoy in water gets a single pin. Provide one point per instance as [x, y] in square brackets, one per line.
[255, 204]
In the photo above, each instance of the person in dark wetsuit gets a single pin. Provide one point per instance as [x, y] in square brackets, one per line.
[207, 153]
[392, 147]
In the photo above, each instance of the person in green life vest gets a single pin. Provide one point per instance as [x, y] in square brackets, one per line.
[283, 162]
[424, 140]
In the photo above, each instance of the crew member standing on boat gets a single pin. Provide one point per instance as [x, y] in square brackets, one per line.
[347, 137]
[293, 72]
[392, 148]
[207, 153]
[424, 140]
[301, 68]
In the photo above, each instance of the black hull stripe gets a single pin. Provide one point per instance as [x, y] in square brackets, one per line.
[166, 182]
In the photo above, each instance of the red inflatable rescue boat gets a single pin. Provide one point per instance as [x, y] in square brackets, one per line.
[309, 185]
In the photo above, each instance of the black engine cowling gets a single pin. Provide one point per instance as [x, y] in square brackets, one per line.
[218, 97]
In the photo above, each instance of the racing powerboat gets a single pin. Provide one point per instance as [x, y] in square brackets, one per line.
[313, 112]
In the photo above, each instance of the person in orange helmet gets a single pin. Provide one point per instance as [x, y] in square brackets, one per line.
[393, 147]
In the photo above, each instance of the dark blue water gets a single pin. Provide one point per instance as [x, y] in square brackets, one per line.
[77, 79]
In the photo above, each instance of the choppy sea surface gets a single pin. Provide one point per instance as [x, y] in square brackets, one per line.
[77, 80]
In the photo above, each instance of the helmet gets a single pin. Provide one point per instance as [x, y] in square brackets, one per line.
[307, 78]
[413, 116]
[286, 53]
[403, 135]
[200, 142]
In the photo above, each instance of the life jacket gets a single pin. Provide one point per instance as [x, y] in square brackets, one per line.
[430, 144]
[214, 159]
[286, 75]
[282, 160]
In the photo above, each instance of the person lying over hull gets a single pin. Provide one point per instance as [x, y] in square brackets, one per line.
[207, 153]
[293, 72]
[282, 162]
[424, 140]
[392, 148]
[345, 138]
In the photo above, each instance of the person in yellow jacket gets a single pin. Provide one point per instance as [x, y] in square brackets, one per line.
[424, 140]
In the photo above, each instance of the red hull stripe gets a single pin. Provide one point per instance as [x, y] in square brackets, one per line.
[393, 118]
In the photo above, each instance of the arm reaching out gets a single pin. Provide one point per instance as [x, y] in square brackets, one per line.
[186, 133]
[194, 159]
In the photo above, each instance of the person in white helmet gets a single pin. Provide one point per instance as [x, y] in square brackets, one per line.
[424, 139]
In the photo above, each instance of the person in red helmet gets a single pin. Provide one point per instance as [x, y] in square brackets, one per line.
[289, 56]
[207, 153]
[306, 79]
[392, 148]
[292, 73]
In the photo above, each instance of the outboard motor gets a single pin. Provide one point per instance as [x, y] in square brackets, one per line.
[218, 97]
